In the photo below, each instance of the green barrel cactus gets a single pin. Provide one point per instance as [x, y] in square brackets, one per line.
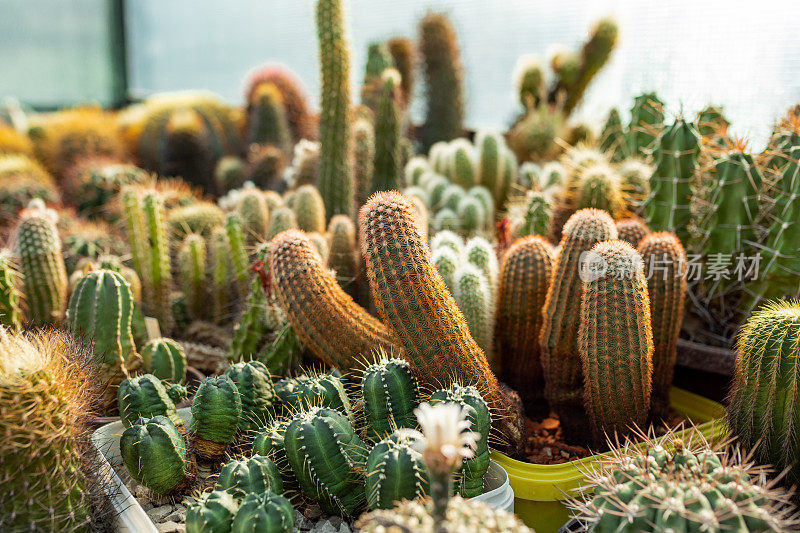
[312, 390]
[391, 393]
[192, 265]
[38, 247]
[257, 474]
[395, 472]
[145, 397]
[165, 359]
[154, 453]
[254, 384]
[647, 120]
[213, 512]
[328, 458]
[470, 483]
[268, 512]
[216, 410]
[462, 164]
[10, 310]
[268, 442]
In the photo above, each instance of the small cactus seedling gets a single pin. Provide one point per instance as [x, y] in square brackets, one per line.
[255, 388]
[216, 410]
[145, 397]
[254, 475]
[154, 453]
[212, 512]
[165, 359]
[391, 394]
[395, 472]
[264, 512]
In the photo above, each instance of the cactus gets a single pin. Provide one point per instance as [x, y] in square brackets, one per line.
[254, 214]
[328, 459]
[309, 390]
[533, 137]
[325, 318]
[711, 123]
[480, 253]
[363, 158]
[762, 409]
[266, 119]
[309, 209]
[612, 138]
[144, 397]
[675, 156]
[281, 219]
[632, 230]
[265, 167]
[335, 172]
[93, 183]
[414, 301]
[461, 163]
[444, 80]
[199, 217]
[446, 262]
[668, 484]
[165, 359]
[471, 215]
[525, 275]
[391, 394]
[253, 326]
[212, 512]
[395, 472]
[255, 388]
[561, 361]
[403, 57]
[38, 247]
[635, 176]
[221, 275]
[239, 256]
[10, 311]
[229, 174]
[269, 442]
[448, 239]
[378, 61]
[480, 419]
[533, 216]
[615, 340]
[216, 410]
[265, 511]
[21, 180]
[647, 121]
[529, 81]
[154, 453]
[45, 399]
[294, 99]
[256, 474]
[343, 256]
[100, 313]
[666, 269]
[192, 265]
[474, 299]
[386, 174]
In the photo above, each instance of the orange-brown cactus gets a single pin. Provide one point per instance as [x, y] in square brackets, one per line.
[632, 230]
[340, 332]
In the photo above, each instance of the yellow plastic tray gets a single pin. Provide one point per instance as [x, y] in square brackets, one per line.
[540, 490]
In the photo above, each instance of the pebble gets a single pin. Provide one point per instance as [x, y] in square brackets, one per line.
[335, 521]
[178, 515]
[160, 513]
[170, 527]
[313, 512]
[325, 527]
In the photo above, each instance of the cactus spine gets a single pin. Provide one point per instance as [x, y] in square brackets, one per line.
[666, 268]
[308, 390]
[415, 303]
[154, 454]
[386, 169]
[268, 442]
[213, 511]
[525, 275]
[395, 472]
[561, 361]
[335, 172]
[192, 262]
[10, 312]
[391, 394]
[38, 247]
[164, 358]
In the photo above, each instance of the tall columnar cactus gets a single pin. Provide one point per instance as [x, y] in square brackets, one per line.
[154, 453]
[612, 138]
[45, 400]
[474, 299]
[666, 268]
[525, 275]
[386, 174]
[264, 511]
[328, 459]
[251, 330]
[38, 247]
[165, 359]
[327, 320]
[632, 230]
[395, 472]
[391, 394]
[444, 80]
[647, 120]
[221, 276]
[561, 361]
[480, 419]
[363, 158]
[100, 313]
[404, 59]
[378, 61]
[10, 311]
[145, 396]
[253, 211]
[533, 215]
[615, 340]
[313, 390]
[192, 265]
[461, 164]
[255, 388]
[309, 209]
[239, 256]
[216, 410]
[256, 474]
[764, 397]
[281, 219]
[335, 170]
[343, 256]
[446, 262]
[675, 155]
[415, 303]
[266, 120]
[157, 275]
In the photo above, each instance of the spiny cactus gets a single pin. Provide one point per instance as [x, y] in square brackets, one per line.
[239, 255]
[675, 155]
[666, 269]
[229, 174]
[446, 262]
[154, 453]
[335, 172]
[599, 186]
[635, 176]
[266, 118]
[414, 301]
[561, 361]
[251, 330]
[712, 124]
[328, 458]
[281, 219]
[444, 80]
[343, 256]
[216, 410]
[38, 247]
[269, 442]
[254, 213]
[525, 275]
[265, 167]
[481, 253]
[764, 396]
[387, 168]
[221, 275]
[10, 311]
[395, 472]
[213, 511]
[309, 209]
[46, 392]
[529, 81]
[192, 265]
[532, 216]
[474, 298]
[404, 59]
[21, 180]
[144, 397]
[92, 184]
[632, 230]
[165, 359]
[471, 215]
[255, 388]
[198, 217]
[461, 163]
[313, 390]
[612, 138]
[363, 158]
[264, 511]
[256, 474]
[325, 318]
[448, 239]
[293, 96]
[391, 394]
[615, 340]
[647, 121]
[378, 61]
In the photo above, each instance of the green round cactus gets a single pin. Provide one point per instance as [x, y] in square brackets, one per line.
[254, 384]
[445, 220]
[391, 393]
[471, 215]
[309, 209]
[414, 169]
[216, 410]
[446, 262]
[154, 454]
[254, 475]
[145, 397]
[395, 472]
[266, 512]
[212, 513]
[451, 196]
[164, 358]
[308, 390]
[268, 442]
